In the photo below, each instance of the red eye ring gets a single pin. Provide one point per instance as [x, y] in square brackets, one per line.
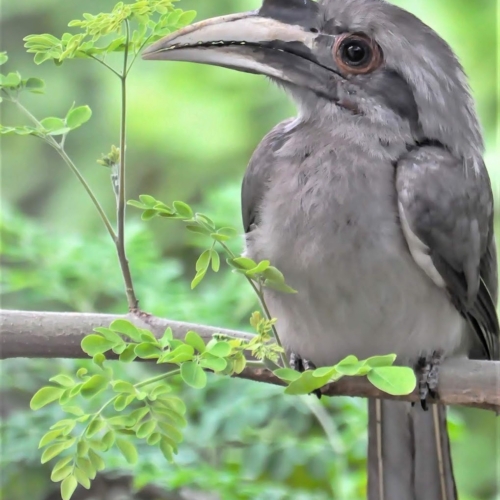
[357, 54]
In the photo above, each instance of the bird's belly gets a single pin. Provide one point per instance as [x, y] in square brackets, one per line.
[359, 290]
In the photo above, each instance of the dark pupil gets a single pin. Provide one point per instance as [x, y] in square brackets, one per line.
[354, 52]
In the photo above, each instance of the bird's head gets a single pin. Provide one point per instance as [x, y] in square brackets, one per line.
[367, 58]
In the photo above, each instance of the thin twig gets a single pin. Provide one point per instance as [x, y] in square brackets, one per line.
[60, 149]
[267, 313]
[120, 242]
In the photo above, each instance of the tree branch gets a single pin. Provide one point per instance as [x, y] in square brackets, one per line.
[58, 335]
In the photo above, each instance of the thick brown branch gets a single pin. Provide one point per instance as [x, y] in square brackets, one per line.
[58, 335]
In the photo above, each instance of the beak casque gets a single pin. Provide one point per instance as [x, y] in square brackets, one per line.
[251, 43]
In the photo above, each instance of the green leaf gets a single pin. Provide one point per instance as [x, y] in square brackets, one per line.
[35, 85]
[183, 209]
[109, 439]
[325, 371]
[166, 449]
[154, 438]
[376, 361]
[74, 410]
[82, 447]
[82, 478]
[213, 363]
[78, 116]
[12, 80]
[123, 401]
[128, 355]
[110, 335]
[55, 449]
[96, 460]
[63, 380]
[94, 385]
[52, 123]
[194, 340]
[287, 374]
[220, 349]
[128, 450]
[244, 263]
[127, 328]
[145, 429]
[197, 229]
[306, 384]
[94, 427]
[203, 261]
[68, 487]
[170, 431]
[193, 375]
[168, 414]
[259, 268]
[147, 336]
[86, 465]
[3, 58]
[146, 350]
[349, 366]
[95, 344]
[138, 414]
[395, 380]
[186, 18]
[197, 279]
[279, 286]
[215, 260]
[148, 200]
[49, 437]
[61, 473]
[165, 339]
[44, 396]
[123, 386]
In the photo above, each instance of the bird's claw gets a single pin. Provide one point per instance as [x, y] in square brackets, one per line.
[428, 377]
[301, 365]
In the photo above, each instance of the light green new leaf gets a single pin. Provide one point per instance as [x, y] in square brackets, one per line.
[55, 449]
[3, 58]
[376, 361]
[63, 380]
[96, 460]
[287, 374]
[52, 123]
[220, 349]
[203, 261]
[82, 478]
[194, 340]
[96, 344]
[44, 396]
[49, 437]
[166, 449]
[128, 450]
[193, 375]
[395, 380]
[197, 279]
[68, 487]
[78, 116]
[94, 427]
[215, 260]
[183, 209]
[123, 386]
[306, 384]
[61, 473]
[213, 363]
[35, 85]
[94, 385]
[145, 429]
[126, 328]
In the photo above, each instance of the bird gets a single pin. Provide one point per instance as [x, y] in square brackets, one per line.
[375, 203]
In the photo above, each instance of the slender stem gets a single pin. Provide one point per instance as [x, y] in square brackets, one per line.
[106, 65]
[60, 149]
[120, 242]
[260, 295]
[158, 378]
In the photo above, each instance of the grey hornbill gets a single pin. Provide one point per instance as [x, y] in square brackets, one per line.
[374, 202]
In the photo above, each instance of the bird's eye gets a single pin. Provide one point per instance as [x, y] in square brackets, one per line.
[357, 54]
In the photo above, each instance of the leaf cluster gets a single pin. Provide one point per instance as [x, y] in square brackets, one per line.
[380, 371]
[151, 19]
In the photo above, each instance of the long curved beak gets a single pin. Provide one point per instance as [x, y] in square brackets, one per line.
[251, 43]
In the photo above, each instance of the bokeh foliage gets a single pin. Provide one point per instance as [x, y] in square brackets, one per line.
[191, 132]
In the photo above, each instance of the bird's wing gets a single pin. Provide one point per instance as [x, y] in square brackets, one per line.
[446, 215]
[259, 171]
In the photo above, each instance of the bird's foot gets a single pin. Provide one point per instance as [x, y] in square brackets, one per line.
[428, 377]
[301, 365]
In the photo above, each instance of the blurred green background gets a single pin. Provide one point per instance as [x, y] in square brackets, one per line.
[192, 130]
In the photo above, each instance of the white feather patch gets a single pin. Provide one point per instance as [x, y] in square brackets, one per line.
[419, 250]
